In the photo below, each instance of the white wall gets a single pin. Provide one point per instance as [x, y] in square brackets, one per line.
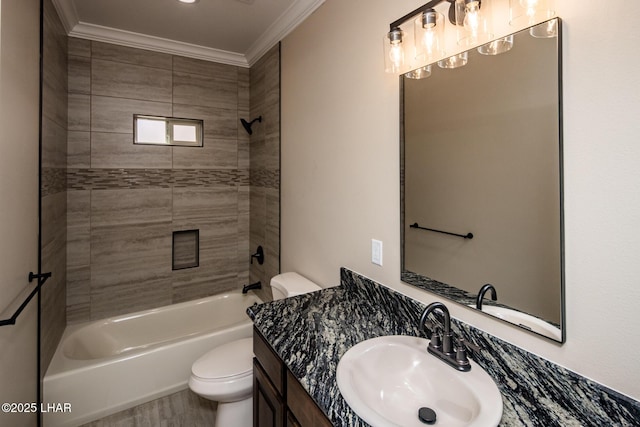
[340, 168]
[19, 52]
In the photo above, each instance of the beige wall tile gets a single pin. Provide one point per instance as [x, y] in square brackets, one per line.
[116, 114]
[53, 214]
[204, 91]
[243, 249]
[271, 151]
[79, 285]
[244, 89]
[130, 268]
[218, 122]
[117, 150]
[113, 208]
[79, 208]
[54, 318]
[79, 74]
[129, 55]
[78, 149]
[129, 293]
[120, 80]
[79, 47]
[79, 113]
[217, 241]
[77, 313]
[258, 215]
[188, 286]
[78, 255]
[54, 144]
[194, 203]
[205, 68]
[54, 95]
[119, 254]
[215, 154]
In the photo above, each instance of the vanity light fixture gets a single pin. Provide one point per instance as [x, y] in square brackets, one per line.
[189, 1]
[429, 35]
[419, 73]
[472, 17]
[455, 61]
[545, 30]
[525, 13]
[475, 16]
[473, 23]
[394, 51]
[497, 47]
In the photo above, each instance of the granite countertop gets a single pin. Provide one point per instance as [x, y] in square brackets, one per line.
[311, 332]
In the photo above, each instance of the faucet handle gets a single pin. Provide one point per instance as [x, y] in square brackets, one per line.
[436, 338]
[463, 346]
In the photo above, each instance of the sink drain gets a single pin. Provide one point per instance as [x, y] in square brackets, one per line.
[427, 415]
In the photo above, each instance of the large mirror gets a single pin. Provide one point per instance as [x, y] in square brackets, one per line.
[482, 161]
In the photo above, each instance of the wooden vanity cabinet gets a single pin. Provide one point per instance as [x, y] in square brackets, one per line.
[278, 398]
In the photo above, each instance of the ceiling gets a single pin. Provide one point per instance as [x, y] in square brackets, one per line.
[235, 32]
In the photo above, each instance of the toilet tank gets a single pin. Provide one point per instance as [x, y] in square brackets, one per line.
[290, 284]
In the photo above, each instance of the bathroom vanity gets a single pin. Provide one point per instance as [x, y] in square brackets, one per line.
[299, 341]
[278, 397]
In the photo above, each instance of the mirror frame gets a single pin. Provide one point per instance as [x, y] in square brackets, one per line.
[461, 296]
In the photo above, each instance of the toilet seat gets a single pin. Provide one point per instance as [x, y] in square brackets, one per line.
[224, 374]
[233, 359]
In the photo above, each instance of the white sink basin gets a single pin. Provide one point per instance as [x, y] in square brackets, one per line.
[523, 319]
[386, 380]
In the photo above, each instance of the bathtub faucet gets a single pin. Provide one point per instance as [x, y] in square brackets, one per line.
[247, 288]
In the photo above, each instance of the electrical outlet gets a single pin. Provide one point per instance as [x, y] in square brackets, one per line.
[376, 252]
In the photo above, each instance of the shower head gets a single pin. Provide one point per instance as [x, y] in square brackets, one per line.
[247, 125]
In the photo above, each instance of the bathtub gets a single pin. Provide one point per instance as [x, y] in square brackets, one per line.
[105, 366]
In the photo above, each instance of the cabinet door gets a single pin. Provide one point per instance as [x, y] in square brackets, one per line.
[268, 407]
[291, 420]
[302, 406]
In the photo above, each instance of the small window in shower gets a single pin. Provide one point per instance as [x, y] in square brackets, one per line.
[156, 130]
[186, 249]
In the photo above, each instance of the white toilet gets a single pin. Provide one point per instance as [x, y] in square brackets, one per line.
[225, 374]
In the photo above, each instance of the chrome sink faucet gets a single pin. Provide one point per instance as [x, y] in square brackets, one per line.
[441, 344]
[483, 290]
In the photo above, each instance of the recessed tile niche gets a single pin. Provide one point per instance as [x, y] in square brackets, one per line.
[186, 249]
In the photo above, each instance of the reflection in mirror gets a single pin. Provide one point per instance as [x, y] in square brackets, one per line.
[482, 156]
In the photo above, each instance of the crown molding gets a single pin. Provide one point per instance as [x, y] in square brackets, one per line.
[288, 21]
[67, 13]
[157, 44]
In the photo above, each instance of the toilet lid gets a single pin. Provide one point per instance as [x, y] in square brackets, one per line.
[228, 360]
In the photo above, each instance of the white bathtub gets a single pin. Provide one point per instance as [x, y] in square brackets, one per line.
[106, 366]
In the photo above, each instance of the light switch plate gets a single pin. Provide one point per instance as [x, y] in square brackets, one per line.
[376, 252]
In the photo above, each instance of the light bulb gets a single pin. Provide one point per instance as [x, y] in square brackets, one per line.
[396, 54]
[429, 31]
[472, 18]
[530, 12]
[394, 50]
[530, 6]
[529, 3]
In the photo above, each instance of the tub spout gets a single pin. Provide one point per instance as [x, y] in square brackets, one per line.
[247, 288]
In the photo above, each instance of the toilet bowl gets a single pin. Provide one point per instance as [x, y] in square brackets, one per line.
[225, 374]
